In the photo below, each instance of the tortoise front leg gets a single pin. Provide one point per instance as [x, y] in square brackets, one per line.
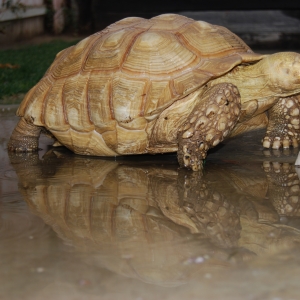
[283, 127]
[208, 124]
[24, 137]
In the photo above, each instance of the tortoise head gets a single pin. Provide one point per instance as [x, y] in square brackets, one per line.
[283, 69]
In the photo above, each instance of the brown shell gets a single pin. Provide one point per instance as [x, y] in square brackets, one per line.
[101, 96]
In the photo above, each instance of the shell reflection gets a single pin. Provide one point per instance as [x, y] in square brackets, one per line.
[158, 223]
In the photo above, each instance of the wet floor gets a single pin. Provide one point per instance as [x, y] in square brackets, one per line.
[74, 227]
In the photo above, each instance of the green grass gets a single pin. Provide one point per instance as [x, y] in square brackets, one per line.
[32, 62]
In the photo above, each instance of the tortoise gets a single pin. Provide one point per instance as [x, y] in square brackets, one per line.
[161, 85]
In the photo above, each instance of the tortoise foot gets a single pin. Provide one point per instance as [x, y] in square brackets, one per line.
[283, 127]
[284, 188]
[208, 124]
[24, 137]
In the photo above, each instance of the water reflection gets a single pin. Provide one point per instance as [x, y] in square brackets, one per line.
[162, 224]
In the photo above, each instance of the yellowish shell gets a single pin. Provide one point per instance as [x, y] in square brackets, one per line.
[103, 95]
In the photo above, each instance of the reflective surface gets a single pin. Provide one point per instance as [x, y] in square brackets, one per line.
[74, 227]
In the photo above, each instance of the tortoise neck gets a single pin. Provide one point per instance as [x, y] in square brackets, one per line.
[251, 80]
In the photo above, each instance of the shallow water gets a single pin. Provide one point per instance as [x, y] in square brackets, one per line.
[74, 227]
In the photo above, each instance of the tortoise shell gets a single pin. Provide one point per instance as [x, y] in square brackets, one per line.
[104, 95]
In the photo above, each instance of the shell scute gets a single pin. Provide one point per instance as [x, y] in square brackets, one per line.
[131, 141]
[128, 97]
[108, 53]
[127, 22]
[215, 67]
[75, 102]
[60, 57]
[54, 111]
[159, 94]
[88, 143]
[72, 63]
[33, 104]
[169, 22]
[157, 54]
[101, 112]
[215, 41]
[110, 138]
[188, 82]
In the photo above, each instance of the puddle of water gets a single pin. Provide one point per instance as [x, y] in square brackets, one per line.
[74, 227]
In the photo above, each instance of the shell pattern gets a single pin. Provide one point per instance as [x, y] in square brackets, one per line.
[104, 95]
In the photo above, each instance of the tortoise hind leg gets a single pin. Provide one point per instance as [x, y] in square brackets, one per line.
[24, 137]
[210, 122]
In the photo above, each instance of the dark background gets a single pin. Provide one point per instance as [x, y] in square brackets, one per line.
[97, 14]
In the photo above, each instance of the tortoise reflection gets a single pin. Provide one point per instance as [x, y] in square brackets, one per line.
[155, 223]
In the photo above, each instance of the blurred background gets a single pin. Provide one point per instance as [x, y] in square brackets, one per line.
[275, 23]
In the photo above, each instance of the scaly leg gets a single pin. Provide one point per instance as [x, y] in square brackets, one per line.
[284, 190]
[24, 137]
[208, 124]
[283, 127]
